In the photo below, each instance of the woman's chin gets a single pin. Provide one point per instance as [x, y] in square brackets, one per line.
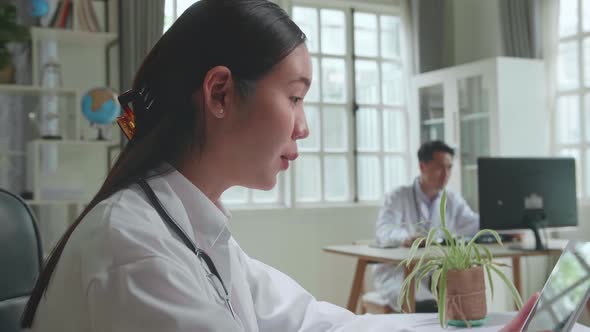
[263, 183]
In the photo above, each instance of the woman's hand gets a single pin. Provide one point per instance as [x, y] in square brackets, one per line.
[515, 325]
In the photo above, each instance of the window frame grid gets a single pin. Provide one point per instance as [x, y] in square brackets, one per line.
[380, 107]
[581, 91]
[321, 153]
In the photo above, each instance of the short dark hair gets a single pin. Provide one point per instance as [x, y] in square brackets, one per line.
[427, 150]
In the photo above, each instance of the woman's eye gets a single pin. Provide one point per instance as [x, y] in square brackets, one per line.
[296, 100]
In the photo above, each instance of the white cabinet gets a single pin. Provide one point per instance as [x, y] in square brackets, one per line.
[493, 107]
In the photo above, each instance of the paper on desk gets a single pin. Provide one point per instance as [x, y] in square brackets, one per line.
[430, 323]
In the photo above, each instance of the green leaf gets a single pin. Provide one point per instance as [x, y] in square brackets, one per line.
[441, 298]
[443, 205]
[515, 294]
[434, 284]
[486, 266]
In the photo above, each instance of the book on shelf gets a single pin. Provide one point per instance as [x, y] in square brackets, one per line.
[63, 12]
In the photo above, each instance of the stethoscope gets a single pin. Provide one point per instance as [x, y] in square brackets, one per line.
[206, 263]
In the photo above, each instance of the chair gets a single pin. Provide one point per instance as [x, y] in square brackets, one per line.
[20, 258]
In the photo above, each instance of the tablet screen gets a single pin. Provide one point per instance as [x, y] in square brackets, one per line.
[565, 291]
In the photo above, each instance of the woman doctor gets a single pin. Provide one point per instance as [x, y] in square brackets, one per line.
[218, 102]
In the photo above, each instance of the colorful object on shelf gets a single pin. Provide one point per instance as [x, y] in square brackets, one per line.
[100, 106]
[39, 8]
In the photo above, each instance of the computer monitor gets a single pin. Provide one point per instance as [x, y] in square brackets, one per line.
[521, 193]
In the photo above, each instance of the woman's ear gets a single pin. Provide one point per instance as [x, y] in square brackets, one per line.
[218, 88]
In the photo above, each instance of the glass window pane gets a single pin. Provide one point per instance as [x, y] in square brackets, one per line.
[575, 153]
[365, 34]
[182, 5]
[266, 196]
[393, 85]
[568, 120]
[394, 173]
[308, 179]
[586, 15]
[313, 94]
[235, 195]
[567, 66]
[333, 81]
[367, 130]
[394, 131]
[587, 60]
[568, 17]
[335, 129]
[475, 140]
[307, 20]
[587, 116]
[390, 39]
[369, 178]
[333, 31]
[336, 178]
[366, 76]
[312, 142]
[168, 14]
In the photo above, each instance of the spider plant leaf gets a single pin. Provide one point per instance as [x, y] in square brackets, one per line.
[442, 209]
[515, 294]
[441, 298]
[434, 284]
[489, 273]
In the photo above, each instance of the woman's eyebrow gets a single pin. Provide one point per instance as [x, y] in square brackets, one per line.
[301, 79]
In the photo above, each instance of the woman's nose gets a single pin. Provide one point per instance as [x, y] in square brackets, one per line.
[301, 131]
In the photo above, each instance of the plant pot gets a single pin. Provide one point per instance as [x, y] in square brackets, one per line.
[465, 295]
[7, 74]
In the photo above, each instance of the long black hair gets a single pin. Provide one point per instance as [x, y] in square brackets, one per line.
[249, 37]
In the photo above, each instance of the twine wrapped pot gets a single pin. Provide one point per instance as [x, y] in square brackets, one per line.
[466, 297]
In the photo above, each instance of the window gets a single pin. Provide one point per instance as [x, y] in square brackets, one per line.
[572, 111]
[173, 9]
[356, 108]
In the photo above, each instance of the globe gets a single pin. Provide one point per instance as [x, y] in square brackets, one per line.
[100, 106]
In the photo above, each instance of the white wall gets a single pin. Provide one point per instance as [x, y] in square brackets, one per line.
[291, 240]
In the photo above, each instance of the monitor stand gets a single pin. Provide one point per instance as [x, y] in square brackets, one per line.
[535, 219]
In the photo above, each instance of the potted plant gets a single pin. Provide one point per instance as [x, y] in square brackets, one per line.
[10, 31]
[457, 274]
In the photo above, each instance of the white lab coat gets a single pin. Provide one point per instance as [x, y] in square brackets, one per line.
[399, 220]
[123, 270]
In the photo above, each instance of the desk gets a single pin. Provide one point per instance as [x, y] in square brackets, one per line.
[367, 254]
[429, 323]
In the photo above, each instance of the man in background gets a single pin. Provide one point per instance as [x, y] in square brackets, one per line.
[411, 211]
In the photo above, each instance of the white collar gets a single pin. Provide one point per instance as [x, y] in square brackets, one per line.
[422, 196]
[209, 220]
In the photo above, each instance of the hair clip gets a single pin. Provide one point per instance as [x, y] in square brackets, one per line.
[130, 101]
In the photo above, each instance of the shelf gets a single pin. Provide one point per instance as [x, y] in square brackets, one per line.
[33, 90]
[12, 153]
[98, 39]
[475, 116]
[469, 167]
[433, 122]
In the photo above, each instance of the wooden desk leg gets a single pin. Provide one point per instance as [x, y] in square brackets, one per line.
[357, 285]
[412, 308]
[516, 275]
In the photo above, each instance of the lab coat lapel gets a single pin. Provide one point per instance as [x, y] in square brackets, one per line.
[207, 223]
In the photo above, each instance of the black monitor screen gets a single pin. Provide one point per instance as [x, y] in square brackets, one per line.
[510, 186]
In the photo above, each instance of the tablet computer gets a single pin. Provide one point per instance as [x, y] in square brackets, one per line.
[565, 293]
